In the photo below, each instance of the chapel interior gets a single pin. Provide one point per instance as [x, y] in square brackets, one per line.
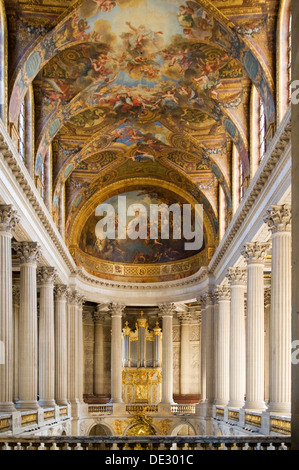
[154, 103]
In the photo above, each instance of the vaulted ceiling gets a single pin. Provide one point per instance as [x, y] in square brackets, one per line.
[139, 93]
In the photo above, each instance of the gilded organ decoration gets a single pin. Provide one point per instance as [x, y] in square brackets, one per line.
[142, 373]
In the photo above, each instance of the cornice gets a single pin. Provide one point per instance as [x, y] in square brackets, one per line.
[24, 180]
[276, 149]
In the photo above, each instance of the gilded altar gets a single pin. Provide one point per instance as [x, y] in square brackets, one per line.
[142, 373]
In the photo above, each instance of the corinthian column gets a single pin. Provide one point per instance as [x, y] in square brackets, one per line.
[116, 312]
[237, 359]
[75, 348]
[8, 221]
[46, 277]
[185, 376]
[208, 301]
[279, 222]
[99, 352]
[254, 254]
[167, 312]
[29, 253]
[60, 308]
[223, 341]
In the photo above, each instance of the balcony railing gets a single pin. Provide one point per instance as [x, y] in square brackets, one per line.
[153, 443]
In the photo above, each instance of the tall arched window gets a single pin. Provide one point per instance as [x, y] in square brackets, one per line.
[3, 64]
[284, 58]
[22, 132]
[262, 130]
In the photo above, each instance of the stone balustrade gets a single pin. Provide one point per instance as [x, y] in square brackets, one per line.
[152, 443]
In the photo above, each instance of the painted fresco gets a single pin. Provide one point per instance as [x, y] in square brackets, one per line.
[136, 251]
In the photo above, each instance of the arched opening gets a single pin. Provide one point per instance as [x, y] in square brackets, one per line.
[99, 430]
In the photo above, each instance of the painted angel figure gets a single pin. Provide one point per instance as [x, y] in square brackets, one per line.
[106, 5]
[142, 37]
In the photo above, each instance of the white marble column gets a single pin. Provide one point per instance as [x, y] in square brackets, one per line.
[99, 352]
[29, 254]
[254, 254]
[167, 311]
[237, 355]
[16, 308]
[185, 357]
[8, 221]
[223, 345]
[116, 312]
[80, 302]
[60, 309]
[209, 331]
[203, 359]
[46, 277]
[279, 222]
[75, 348]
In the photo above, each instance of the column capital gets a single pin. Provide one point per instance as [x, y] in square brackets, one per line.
[61, 292]
[208, 298]
[237, 276]
[28, 252]
[167, 310]
[16, 294]
[222, 293]
[116, 310]
[99, 317]
[46, 275]
[185, 317]
[279, 218]
[254, 252]
[8, 218]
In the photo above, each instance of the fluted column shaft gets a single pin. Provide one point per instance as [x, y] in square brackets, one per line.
[60, 309]
[75, 348]
[116, 312]
[279, 222]
[167, 312]
[16, 308]
[29, 253]
[223, 341]
[8, 220]
[210, 356]
[185, 376]
[46, 277]
[99, 354]
[203, 359]
[254, 255]
[237, 354]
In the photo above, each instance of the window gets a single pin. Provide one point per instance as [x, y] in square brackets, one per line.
[22, 132]
[290, 60]
[242, 182]
[262, 130]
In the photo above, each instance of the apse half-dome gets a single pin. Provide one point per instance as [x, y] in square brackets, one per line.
[124, 236]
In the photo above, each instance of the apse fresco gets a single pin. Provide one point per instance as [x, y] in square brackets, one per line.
[137, 251]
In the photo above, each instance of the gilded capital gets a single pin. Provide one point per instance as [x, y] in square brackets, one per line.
[254, 252]
[8, 218]
[279, 218]
[28, 252]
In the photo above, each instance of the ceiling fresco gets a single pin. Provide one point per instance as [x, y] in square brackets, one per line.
[130, 89]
